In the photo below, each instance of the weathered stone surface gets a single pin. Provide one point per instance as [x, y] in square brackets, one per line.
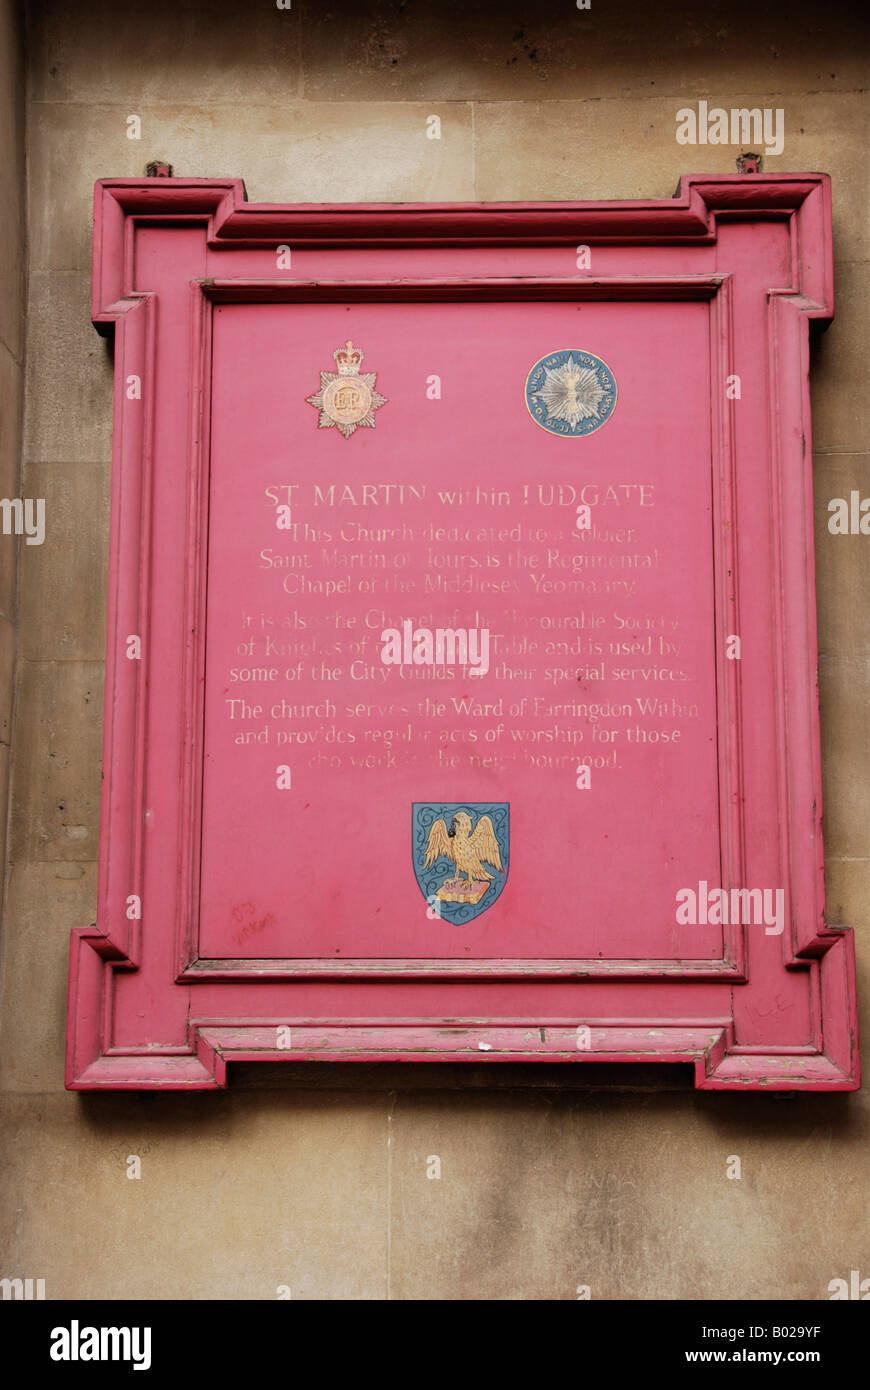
[307, 153]
[256, 1191]
[11, 382]
[63, 581]
[627, 1196]
[545, 1185]
[844, 659]
[68, 408]
[841, 409]
[56, 762]
[511, 52]
[44, 903]
[12, 261]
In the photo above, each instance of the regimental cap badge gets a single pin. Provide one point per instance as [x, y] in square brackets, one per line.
[347, 398]
[570, 392]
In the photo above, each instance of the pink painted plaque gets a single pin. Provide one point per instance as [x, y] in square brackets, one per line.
[461, 658]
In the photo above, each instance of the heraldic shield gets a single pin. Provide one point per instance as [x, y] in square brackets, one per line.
[461, 853]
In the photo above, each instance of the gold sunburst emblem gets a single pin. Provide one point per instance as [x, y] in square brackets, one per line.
[347, 398]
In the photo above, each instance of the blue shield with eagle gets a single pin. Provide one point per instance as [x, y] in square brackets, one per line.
[461, 854]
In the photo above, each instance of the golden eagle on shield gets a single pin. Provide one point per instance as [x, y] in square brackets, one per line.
[469, 850]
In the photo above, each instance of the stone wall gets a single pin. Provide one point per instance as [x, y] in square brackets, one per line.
[316, 1177]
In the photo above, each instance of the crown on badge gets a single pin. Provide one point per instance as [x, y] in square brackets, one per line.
[348, 359]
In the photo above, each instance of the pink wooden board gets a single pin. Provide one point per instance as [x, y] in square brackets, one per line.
[650, 468]
[240, 917]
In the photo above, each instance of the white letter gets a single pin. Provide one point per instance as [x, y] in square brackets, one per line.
[718, 132]
[838, 523]
[774, 143]
[142, 1358]
[774, 924]
[687, 907]
[478, 651]
[686, 133]
[59, 1350]
[391, 651]
[35, 535]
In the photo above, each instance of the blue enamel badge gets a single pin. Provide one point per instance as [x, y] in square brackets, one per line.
[461, 855]
[570, 392]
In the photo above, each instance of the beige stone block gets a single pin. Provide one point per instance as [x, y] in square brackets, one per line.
[372, 152]
[513, 52]
[11, 379]
[541, 1195]
[238, 1195]
[215, 53]
[68, 410]
[830, 133]
[5, 759]
[378, 152]
[844, 659]
[56, 762]
[840, 559]
[838, 379]
[63, 581]
[845, 758]
[12, 262]
[70, 147]
[565, 150]
[45, 902]
[847, 884]
[8, 637]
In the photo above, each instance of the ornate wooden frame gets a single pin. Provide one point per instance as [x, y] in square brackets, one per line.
[156, 294]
